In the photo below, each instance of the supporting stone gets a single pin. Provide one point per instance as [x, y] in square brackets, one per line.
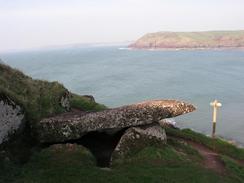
[136, 139]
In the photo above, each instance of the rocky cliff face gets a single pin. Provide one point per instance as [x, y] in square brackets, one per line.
[191, 40]
[11, 117]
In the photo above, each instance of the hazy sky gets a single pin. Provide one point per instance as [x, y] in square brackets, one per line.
[37, 23]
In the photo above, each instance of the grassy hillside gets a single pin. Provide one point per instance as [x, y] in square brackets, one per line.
[219, 145]
[175, 162]
[208, 39]
[39, 98]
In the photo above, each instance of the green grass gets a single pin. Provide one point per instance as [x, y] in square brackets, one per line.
[39, 98]
[84, 103]
[217, 144]
[235, 169]
[185, 149]
[152, 164]
[8, 171]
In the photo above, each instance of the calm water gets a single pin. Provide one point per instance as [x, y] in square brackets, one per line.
[117, 77]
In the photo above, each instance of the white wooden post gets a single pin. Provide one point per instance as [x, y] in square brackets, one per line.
[215, 104]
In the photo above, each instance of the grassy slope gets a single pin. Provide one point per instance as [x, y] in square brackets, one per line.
[39, 98]
[84, 103]
[191, 39]
[219, 145]
[174, 163]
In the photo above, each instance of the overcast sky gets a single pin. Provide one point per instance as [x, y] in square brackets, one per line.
[38, 23]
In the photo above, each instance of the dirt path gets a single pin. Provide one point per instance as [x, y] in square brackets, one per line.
[211, 159]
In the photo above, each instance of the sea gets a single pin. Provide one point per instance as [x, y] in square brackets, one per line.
[118, 76]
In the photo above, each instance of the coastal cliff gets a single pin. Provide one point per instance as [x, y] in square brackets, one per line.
[191, 40]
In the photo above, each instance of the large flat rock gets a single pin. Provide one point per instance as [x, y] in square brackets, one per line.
[71, 127]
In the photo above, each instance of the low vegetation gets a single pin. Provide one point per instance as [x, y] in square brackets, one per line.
[84, 103]
[219, 145]
[174, 162]
[39, 98]
[236, 170]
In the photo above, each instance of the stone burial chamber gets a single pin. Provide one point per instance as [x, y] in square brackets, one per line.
[111, 134]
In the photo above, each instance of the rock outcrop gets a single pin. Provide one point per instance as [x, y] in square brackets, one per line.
[11, 117]
[136, 138]
[62, 129]
[65, 101]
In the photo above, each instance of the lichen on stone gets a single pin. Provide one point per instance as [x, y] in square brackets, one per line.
[52, 129]
[11, 117]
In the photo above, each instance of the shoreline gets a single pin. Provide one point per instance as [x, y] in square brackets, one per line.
[187, 49]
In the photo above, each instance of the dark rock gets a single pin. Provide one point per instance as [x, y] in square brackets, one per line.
[101, 144]
[61, 129]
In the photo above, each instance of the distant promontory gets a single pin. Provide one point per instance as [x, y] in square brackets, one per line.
[191, 40]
